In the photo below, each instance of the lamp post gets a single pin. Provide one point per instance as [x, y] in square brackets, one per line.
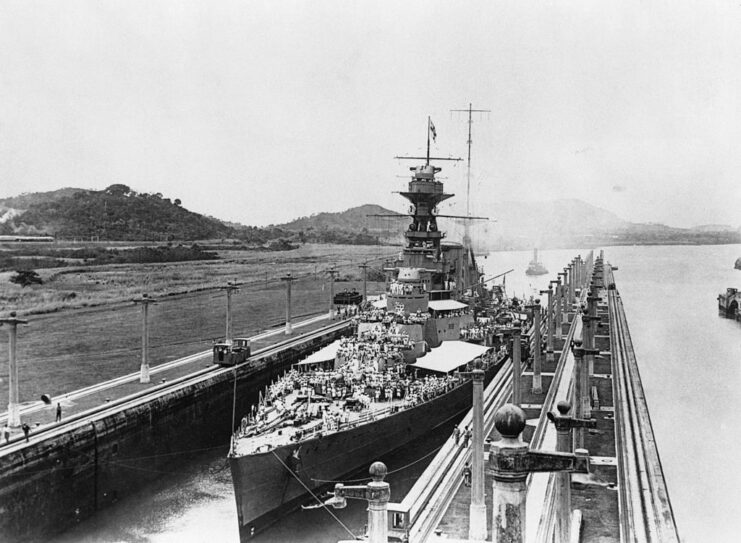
[145, 300]
[288, 278]
[14, 415]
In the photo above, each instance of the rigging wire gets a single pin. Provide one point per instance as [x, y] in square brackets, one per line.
[324, 505]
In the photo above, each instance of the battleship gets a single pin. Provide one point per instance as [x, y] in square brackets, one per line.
[535, 267]
[397, 378]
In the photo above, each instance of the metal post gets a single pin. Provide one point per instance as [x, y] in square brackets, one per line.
[14, 415]
[145, 300]
[564, 423]
[572, 282]
[377, 493]
[537, 363]
[288, 279]
[516, 367]
[477, 523]
[510, 462]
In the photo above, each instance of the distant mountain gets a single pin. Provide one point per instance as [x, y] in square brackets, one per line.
[116, 213]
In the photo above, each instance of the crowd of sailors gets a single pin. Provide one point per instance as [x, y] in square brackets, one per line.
[385, 317]
[405, 289]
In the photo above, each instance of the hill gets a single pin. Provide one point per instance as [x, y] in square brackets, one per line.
[358, 225]
[116, 213]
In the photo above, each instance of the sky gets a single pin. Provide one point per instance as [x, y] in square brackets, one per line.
[264, 111]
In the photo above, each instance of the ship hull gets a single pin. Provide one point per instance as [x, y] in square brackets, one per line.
[268, 485]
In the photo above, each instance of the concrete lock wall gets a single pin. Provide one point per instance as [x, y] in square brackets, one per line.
[49, 486]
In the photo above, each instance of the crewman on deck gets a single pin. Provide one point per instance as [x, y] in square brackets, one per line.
[26, 430]
[6, 433]
[59, 412]
[466, 437]
[456, 435]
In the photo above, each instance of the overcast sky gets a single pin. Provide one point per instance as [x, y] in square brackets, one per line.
[260, 112]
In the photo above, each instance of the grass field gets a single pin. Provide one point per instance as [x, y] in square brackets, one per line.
[73, 347]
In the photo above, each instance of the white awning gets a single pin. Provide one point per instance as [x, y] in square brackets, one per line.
[380, 304]
[446, 305]
[325, 354]
[449, 356]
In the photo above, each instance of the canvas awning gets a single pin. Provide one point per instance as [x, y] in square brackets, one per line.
[325, 354]
[446, 305]
[449, 356]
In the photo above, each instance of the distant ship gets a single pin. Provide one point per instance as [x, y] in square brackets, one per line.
[395, 380]
[535, 267]
[728, 304]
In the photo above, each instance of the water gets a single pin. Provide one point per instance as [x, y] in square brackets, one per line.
[690, 363]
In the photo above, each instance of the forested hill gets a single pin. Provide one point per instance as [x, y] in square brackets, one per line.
[115, 213]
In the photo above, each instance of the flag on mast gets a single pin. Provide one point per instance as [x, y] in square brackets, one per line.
[433, 131]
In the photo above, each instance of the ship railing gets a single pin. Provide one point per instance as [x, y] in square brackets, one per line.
[415, 518]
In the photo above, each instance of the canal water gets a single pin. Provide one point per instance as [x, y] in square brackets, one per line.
[690, 363]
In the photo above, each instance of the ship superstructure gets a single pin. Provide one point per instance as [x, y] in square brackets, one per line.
[395, 380]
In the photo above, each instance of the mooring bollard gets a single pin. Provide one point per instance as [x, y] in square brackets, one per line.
[564, 423]
[377, 493]
[510, 462]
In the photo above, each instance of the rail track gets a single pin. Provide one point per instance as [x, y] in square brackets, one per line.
[84, 417]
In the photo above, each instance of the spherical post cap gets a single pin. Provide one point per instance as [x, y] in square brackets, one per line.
[563, 407]
[510, 420]
[477, 363]
[537, 301]
[577, 343]
[378, 471]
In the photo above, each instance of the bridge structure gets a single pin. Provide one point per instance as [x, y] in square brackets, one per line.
[577, 460]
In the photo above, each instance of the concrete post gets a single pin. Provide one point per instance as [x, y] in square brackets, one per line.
[558, 317]
[477, 515]
[364, 267]
[564, 311]
[516, 367]
[510, 462]
[332, 274]
[537, 362]
[229, 288]
[579, 392]
[288, 279]
[14, 415]
[549, 324]
[145, 300]
[377, 493]
[572, 282]
[564, 423]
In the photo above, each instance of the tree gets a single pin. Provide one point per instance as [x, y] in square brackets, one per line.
[25, 278]
[118, 190]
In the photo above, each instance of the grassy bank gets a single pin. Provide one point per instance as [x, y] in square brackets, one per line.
[111, 284]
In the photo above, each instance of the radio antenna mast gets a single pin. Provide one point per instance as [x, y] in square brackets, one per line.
[470, 111]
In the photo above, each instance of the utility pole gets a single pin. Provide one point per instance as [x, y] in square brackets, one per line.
[332, 274]
[145, 300]
[288, 279]
[470, 111]
[364, 267]
[229, 288]
[14, 415]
